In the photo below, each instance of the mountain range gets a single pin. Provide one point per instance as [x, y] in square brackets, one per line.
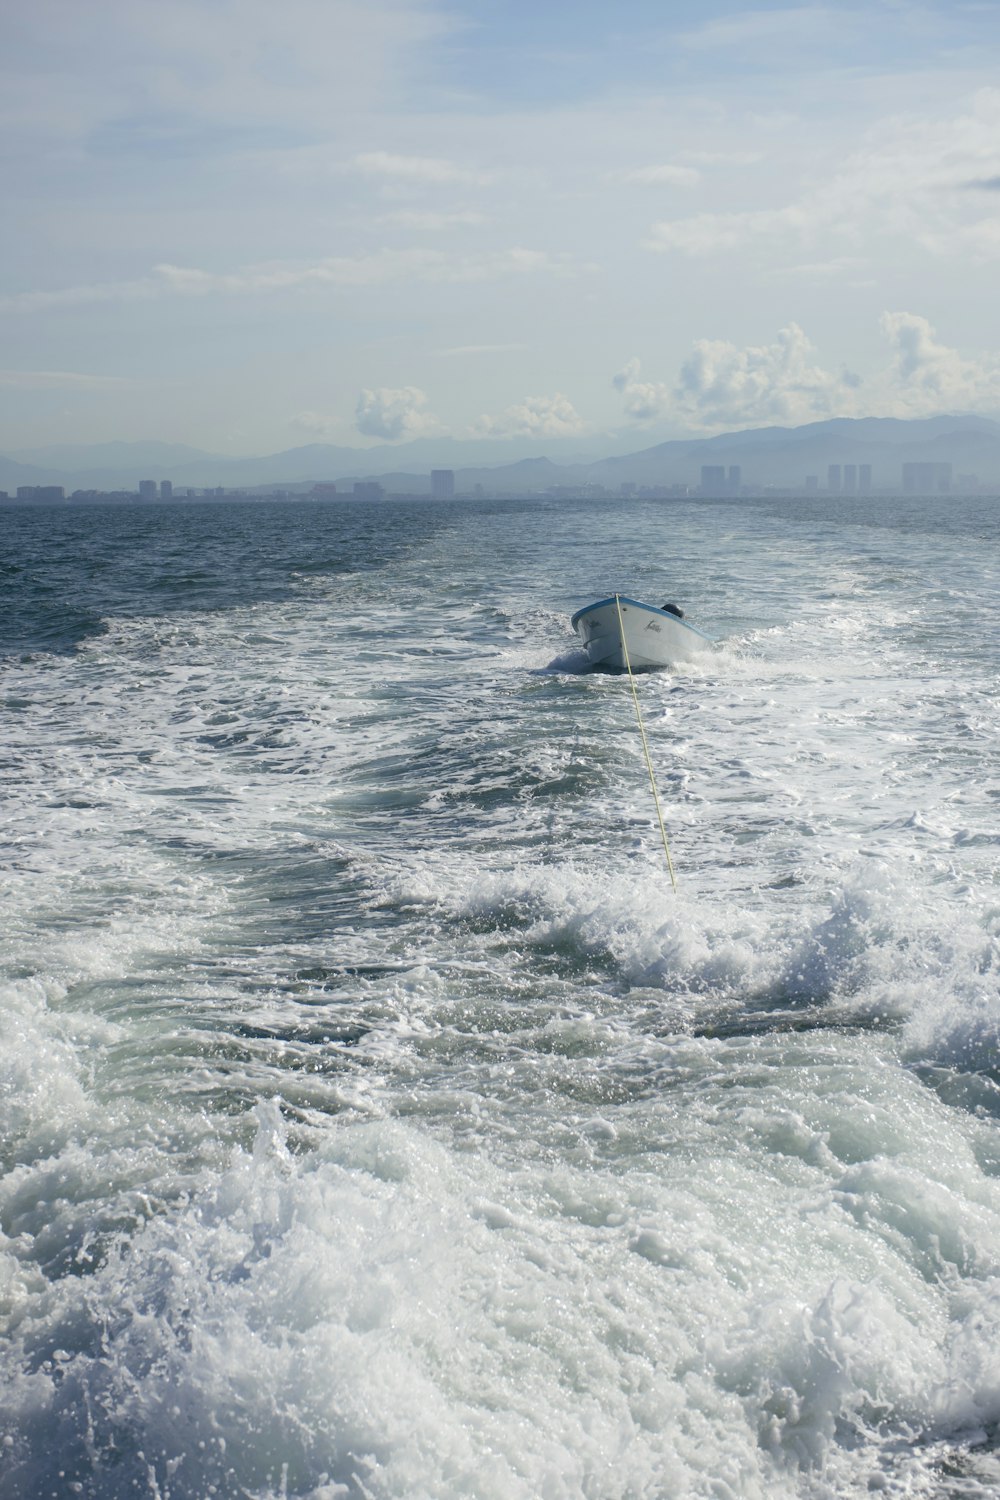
[766, 456]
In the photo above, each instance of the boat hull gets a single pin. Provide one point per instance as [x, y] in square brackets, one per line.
[654, 637]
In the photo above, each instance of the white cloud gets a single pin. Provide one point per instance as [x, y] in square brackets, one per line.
[312, 422]
[926, 377]
[709, 233]
[725, 158]
[394, 414]
[821, 271]
[645, 400]
[81, 296]
[980, 242]
[69, 69]
[373, 268]
[909, 181]
[376, 268]
[667, 175]
[721, 385]
[773, 27]
[426, 219]
[536, 417]
[482, 349]
[58, 380]
[431, 171]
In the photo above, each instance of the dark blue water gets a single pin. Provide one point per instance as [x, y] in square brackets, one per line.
[65, 571]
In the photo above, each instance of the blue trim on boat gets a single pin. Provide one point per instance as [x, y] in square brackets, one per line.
[664, 614]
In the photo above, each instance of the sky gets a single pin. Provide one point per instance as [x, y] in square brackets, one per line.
[247, 226]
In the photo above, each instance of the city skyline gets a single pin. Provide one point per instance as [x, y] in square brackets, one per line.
[842, 456]
[245, 229]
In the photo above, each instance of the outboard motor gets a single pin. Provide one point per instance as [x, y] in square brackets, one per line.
[673, 609]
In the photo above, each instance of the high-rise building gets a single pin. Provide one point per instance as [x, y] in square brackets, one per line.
[44, 493]
[735, 479]
[833, 479]
[147, 489]
[864, 479]
[713, 479]
[812, 483]
[166, 489]
[926, 478]
[850, 479]
[442, 483]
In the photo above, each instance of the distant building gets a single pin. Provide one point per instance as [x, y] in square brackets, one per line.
[833, 479]
[166, 489]
[812, 483]
[368, 489]
[850, 479]
[713, 479]
[147, 489]
[926, 478]
[325, 490]
[576, 491]
[864, 479]
[43, 494]
[734, 479]
[442, 483]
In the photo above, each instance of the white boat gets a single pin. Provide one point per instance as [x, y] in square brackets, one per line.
[654, 637]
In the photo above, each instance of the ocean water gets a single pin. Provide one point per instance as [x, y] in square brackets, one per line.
[377, 1122]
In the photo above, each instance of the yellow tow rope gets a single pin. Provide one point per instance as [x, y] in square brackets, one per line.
[645, 745]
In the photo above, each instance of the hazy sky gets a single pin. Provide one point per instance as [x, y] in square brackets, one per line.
[248, 225]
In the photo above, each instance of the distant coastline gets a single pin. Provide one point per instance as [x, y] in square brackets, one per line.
[842, 456]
